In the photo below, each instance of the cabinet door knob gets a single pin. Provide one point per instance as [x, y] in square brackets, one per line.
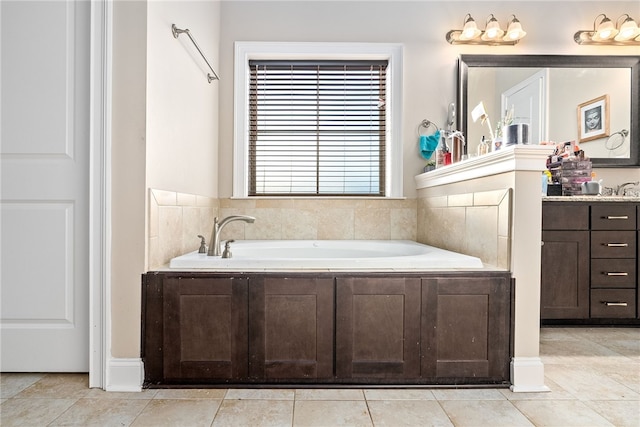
[614, 304]
[611, 273]
[612, 217]
[617, 245]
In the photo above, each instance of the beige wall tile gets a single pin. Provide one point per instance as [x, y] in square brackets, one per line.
[165, 198]
[372, 224]
[489, 198]
[336, 224]
[482, 233]
[184, 199]
[403, 223]
[299, 224]
[460, 200]
[153, 216]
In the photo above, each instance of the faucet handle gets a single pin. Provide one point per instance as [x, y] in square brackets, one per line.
[203, 245]
[227, 249]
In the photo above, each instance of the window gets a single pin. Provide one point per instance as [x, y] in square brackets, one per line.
[316, 119]
[317, 128]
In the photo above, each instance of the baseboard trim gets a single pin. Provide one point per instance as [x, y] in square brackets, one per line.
[124, 375]
[527, 375]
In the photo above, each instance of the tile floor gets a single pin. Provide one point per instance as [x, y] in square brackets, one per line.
[593, 373]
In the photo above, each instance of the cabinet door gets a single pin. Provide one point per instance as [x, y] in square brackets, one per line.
[466, 328]
[564, 277]
[378, 327]
[291, 328]
[205, 328]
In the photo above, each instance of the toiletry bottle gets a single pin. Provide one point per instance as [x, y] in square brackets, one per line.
[483, 148]
[443, 155]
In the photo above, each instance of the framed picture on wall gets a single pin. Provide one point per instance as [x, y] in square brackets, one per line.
[593, 119]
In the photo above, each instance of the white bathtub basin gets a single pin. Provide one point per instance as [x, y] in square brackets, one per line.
[328, 254]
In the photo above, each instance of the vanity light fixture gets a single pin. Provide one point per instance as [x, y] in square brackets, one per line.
[624, 32]
[493, 34]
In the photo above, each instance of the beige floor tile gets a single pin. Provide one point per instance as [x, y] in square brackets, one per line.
[58, 386]
[468, 394]
[32, 412]
[260, 394]
[586, 383]
[178, 412]
[325, 413]
[12, 384]
[398, 394]
[190, 393]
[101, 412]
[618, 413]
[419, 413]
[561, 413]
[263, 413]
[329, 394]
[477, 413]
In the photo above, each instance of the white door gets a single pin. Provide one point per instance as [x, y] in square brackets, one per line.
[529, 99]
[45, 189]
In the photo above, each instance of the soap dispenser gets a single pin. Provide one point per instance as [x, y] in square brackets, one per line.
[484, 146]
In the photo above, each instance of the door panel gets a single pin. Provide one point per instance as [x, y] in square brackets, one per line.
[45, 192]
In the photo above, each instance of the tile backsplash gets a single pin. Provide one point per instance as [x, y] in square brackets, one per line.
[175, 220]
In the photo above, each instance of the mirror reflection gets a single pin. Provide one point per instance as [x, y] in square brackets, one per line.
[588, 100]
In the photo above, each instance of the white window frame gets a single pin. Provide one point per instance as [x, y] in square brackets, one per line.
[245, 51]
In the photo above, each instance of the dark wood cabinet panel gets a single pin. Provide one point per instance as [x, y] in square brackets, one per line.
[465, 328]
[378, 327]
[291, 328]
[613, 244]
[205, 328]
[565, 216]
[613, 216]
[565, 275]
[613, 303]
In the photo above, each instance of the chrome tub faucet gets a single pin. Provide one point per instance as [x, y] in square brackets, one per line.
[214, 243]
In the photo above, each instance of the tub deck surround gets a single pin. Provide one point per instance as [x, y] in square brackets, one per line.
[517, 169]
[323, 329]
[330, 255]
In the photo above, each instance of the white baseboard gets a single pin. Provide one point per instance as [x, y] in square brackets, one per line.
[527, 375]
[124, 375]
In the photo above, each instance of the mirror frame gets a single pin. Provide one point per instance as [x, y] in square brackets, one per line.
[559, 61]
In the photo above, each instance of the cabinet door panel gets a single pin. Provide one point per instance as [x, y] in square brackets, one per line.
[565, 277]
[465, 328]
[291, 330]
[205, 328]
[377, 327]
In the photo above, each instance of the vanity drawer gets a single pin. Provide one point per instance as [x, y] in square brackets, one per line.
[565, 216]
[613, 216]
[613, 303]
[613, 244]
[613, 273]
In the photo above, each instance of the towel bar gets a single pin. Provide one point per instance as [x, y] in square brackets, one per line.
[176, 32]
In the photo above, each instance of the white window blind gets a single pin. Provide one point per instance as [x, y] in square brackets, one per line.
[317, 128]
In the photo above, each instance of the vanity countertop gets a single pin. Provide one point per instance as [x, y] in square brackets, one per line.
[590, 198]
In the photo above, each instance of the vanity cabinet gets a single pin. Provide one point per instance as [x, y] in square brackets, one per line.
[390, 328]
[590, 261]
[565, 261]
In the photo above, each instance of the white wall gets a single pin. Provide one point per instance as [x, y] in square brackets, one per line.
[429, 61]
[182, 108]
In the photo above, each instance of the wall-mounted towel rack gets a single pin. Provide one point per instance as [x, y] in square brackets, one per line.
[176, 32]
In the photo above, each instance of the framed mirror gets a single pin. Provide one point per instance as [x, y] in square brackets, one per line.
[592, 100]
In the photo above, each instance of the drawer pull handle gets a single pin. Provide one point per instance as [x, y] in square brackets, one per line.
[610, 217]
[611, 273]
[614, 304]
[617, 245]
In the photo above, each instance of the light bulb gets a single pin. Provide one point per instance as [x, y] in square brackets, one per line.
[605, 30]
[628, 30]
[492, 30]
[515, 31]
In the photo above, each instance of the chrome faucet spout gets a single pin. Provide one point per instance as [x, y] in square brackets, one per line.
[620, 188]
[214, 243]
